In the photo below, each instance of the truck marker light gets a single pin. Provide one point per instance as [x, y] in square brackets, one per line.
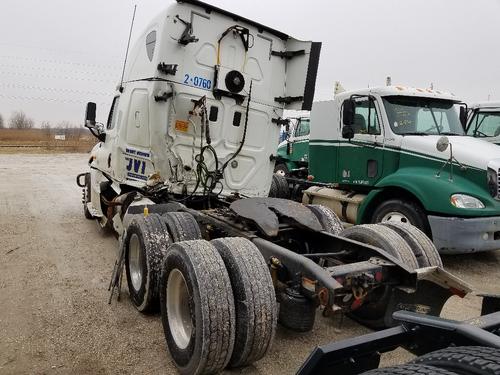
[310, 177]
[146, 211]
[182, 126]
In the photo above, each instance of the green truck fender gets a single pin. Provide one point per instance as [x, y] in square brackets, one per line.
[433, 193]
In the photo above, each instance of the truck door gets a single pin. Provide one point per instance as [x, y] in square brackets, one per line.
[137, 159]
[299, 147]
[106, 155]
[360, 160]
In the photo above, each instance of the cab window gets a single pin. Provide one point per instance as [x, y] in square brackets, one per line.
[434, 116]
[150, 44]
[366, 117]
[303, 128]
[113, 115]
[485, 124]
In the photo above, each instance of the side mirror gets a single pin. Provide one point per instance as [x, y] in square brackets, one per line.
[348, 112]
[463, 116]
[347, 132]
[442, 144]
[95, 129]
[90, 115]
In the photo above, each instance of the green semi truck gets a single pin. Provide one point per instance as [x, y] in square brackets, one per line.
[399, 154]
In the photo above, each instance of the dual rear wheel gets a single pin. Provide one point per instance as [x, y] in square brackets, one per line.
[408, 245]
[217, 300]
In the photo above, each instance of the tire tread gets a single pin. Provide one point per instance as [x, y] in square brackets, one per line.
[255, 300]
[475, 360]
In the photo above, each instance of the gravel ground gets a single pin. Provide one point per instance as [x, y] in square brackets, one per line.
[54, 272]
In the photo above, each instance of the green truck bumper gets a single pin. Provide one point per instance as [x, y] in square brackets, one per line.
[456, 235]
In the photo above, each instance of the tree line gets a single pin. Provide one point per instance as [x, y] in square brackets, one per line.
[19, 120]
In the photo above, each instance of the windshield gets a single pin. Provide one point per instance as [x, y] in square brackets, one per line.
[303, 127]
[485, 124]
[422, 116]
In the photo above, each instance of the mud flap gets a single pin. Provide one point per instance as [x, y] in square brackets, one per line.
[491, 303]
[434, 287]
[428, 299]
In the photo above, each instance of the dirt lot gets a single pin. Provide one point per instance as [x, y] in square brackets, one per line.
[54, 272]
[43, 140]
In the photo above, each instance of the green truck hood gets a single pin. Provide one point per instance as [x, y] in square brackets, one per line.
[420, 162]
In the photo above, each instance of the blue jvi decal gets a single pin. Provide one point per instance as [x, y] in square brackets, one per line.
[137, 166]
[199, 82]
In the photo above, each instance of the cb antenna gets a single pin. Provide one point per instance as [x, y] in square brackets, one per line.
[128, 46]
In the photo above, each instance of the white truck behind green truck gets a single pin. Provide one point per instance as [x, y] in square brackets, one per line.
[401, 154]
[484, 121]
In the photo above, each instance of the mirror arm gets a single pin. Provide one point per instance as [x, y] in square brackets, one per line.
[96, 133]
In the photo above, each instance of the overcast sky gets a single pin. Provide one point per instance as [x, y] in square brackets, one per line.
[55, 55]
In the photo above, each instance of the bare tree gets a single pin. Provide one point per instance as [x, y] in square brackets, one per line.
[19, 120]
[64, 126]
[46, 125]
[2, 124]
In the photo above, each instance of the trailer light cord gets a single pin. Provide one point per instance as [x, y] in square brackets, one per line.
[244, 34]
[244, 131]
[208, 179]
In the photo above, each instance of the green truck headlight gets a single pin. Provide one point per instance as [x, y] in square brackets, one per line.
[465, 201]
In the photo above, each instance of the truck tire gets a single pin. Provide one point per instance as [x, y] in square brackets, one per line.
[282, 170]
[373, 311]
[328, 219]
[423, 248]
[409, 369]
[146, 242]
[182, 226]
[197, 308]
[473, 360]
[273, 190]
[255, 300]
[401, 211]
[279, 187]
[86, 197]
[384, 238]
[297, 313]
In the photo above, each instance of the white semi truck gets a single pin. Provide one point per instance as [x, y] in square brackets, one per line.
[484, 121]
[399, 154]
[182, 172]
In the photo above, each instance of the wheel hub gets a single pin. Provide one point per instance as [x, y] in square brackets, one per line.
[395, 217]
[179, 313]
[135, 262]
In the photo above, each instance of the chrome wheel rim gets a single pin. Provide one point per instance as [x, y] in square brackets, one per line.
[395, 217]
[179, 314]
[135, 262]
